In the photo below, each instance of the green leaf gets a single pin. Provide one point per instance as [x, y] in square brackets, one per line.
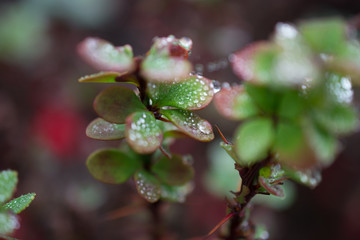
[337, 118]
[8, 181]
[324, 36]
[338, 88]
[8, 222]
[273, 189]
[175, 193]
[324, 144]
[174, 172]
[190, 123]
[147, 186]
[291, 105]
[291, 146]
[112, 166]
[310, 177]
[230, 149]
[264, 98]
[194, 92]
[235, 103]
[110, 77]
[17, 205]
[103, 130]
[253, 140]
[115, 103]
[142, 132]
[103, 56]
[165, 69]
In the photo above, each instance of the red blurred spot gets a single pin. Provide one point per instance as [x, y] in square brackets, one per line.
[178, 51]
[58, 128]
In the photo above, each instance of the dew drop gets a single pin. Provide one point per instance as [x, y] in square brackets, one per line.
[216, 86]
[186, 43]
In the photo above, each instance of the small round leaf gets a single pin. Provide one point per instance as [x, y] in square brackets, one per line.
[104, 130]
[142, 132]
[147, 186]
[112, 166]
[190, 123]
[115, 103]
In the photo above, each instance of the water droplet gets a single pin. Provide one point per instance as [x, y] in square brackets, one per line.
[186, 43]
[216, 86]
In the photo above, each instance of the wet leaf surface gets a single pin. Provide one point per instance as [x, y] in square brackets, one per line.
[8, 222]
[147, 186]
[8, 181]
[17, 205]
[104, 130]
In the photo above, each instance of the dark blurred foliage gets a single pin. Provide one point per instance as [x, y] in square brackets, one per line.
[44, 112]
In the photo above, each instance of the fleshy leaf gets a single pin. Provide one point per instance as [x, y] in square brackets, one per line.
[337, 119]
[254, 139]
[165, 69]
[291, 146]
[104, 130]
[17, 205]
[195, 92]
[291, 105]
[230, 149]
[103, 56]
[175, 171]
[8, 181]
[142, 132]
[308, 177]
[324, 36]
[275, 190]
[190, 123]
[115, 103]
[175, 193]
[147, 186]
[8, 222]
[112, 166]
[235, 103]
[110, 77]
[266, 99]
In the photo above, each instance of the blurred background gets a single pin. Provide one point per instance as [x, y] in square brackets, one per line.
[44, 112]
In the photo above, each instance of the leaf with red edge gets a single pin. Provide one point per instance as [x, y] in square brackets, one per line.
[110, 77]
[171, 46]
[193, 93]
[234, 103]
[112, 166]
[164, 69]
[104, 130]
[142, 132]
[247, 66]
[115, 103]
[190, 123]
[102, 55]
[275, 189]
[147, 186]
[174, 172]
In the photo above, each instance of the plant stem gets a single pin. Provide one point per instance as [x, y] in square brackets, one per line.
[157, 228]
[247, 192]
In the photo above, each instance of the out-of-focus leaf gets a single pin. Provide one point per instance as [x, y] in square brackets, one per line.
[248, 66]
[291, 105]
[175, 193]
[337, 118]
[17, 205]
[221, 177]
[175, 171]
[103, 56]
[112, 166]
[8, 222]
[165, 69]
[261, 233]
[323, 143]
[324, 36]
[104, 130]
[230, 149]
[194, 92]
[309, 177]
[264, 98]
[115, 103]
[147, 186]
[291, 146]
[109, 77]
[339, 88]
[8, 181]
[254, 139]
[235, 103]
[142, 132]
[190, 123]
